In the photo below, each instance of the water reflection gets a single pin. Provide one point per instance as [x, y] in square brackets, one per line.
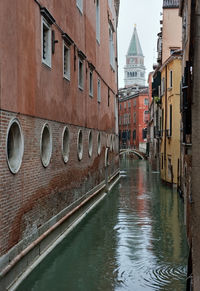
[134, 240]
[152, 250]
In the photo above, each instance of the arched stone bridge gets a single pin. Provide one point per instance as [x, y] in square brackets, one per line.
[140, 155]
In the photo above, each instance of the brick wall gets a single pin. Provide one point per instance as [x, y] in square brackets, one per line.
[35, 194]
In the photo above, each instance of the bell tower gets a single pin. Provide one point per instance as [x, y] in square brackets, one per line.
[134, 70]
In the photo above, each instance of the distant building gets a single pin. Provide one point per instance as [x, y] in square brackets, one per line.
[133, 99]
[134, 70]
[133, 119]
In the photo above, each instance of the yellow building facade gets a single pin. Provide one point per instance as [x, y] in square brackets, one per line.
[170, 118]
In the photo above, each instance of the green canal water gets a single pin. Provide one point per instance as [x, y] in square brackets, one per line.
[134, 240]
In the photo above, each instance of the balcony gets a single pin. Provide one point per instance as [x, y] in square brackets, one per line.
[171, 4]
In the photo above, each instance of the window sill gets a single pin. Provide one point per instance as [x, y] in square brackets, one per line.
[46, 65]
[112, 68]
[80, 88]
[91, 95]
[67, 78]
[80, 10]
[98, 41]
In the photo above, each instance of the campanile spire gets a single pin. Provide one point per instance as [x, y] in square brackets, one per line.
[134, 69]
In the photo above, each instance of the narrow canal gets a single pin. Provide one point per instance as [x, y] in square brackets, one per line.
[134, 240]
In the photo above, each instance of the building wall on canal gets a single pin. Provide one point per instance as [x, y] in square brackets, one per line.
[170, 142]
[190, 106]
[58, 111]
[153, 135]
[171, 31]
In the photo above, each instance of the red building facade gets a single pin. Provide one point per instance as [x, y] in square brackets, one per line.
[133, 119]
[58, 116]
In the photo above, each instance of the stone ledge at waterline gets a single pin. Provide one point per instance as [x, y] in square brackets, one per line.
[26, 252]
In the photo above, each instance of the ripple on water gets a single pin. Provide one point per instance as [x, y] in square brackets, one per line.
[162, 276]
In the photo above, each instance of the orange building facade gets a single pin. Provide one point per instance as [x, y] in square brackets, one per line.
[133, 119]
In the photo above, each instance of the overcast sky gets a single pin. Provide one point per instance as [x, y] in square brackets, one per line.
[146, 15]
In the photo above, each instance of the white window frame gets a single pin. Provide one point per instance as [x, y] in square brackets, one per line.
[98, 90]
[91, 83]
[80, 80]
[66, 58]
[79, 4]
[98, 21]
[111, 48]
[46, 60]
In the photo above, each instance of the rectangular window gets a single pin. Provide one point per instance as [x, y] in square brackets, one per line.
[109, 97]
[144, 133]
[124, 105]
[170, 79]
[129, 104]
[111, 47]
[170, 120]
[80, 74]
[66, 62]
[79, 4]
[91, 83]
[169, 168]
[98, 20]
[162, 86]
[120, 107]
[134, 134]
[46, 43]
[134, 117]
[146, 116]
[99, 90]
[134, 103]
[146, 101]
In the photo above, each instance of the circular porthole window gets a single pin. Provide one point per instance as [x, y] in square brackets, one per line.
[80, 145]
[46, 145]
[65, 144]
[15, 146]
[99, 143]
[90, 144]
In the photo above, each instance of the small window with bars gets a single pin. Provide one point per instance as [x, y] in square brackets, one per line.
[99, 90]
[80, 74]
[91, 83]
[46, 43]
